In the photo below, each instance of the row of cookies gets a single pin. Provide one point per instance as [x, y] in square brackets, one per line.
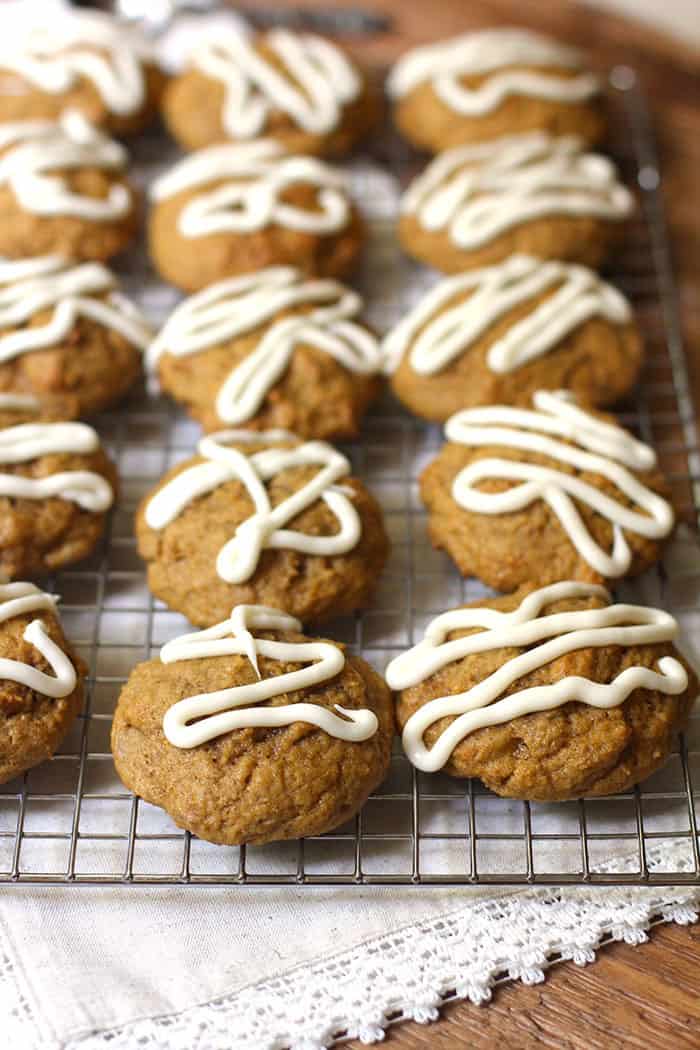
[592, 709]
[143, 725]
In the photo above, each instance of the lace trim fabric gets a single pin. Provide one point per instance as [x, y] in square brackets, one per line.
[409, 974]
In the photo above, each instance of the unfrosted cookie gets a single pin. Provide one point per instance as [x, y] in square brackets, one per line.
[270, 349]
[496, 335]
[63, 190]
[296, 88]
[555, 492]
[266, 519]
[532, 194]
[546, 694]
[291, 735]
[41, 691]
[91, 63]
[56, 486]
[491, 83]
[70, 343]
[230, 210]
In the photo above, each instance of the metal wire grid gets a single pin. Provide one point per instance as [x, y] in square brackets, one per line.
[71, 821]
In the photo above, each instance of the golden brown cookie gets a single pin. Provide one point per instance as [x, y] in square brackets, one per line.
[303, 732]
[263, 519]
[231, 210]
[531, 194]
[546, 695]
[91, 63]
[491, 83]
[301, 90]
[56, 486]
[63, 191]
[495, 336]
[41, 696]
[70, 343]
[270, 349]
[555, 492]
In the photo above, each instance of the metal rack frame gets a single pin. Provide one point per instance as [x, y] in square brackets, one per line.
[443, 832]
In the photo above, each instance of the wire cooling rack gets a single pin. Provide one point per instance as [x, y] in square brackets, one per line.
[71, 821]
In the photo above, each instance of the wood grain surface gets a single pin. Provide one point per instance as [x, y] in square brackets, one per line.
[644, 998]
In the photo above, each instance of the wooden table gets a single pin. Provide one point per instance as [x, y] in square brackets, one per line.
[649, 997]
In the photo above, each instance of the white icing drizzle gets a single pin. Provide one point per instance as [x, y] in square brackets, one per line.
[228, 709]
[255, 176]
[19, 402]
[543, 638]
[28, 286]
[598, 447]
[238, 559]
[29, 441]
[18, 599]
[491, 52]
[55, 55]
[437, 338]
[317, 81]
[35, 150]
[475, 193]
[238, 306]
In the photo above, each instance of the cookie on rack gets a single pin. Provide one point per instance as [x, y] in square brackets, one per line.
[297, 88]
[42, 679]
[253, 732]
[98, 65]
[491, 83]
[56, 486]
[270, 349]
[229, 210]
[553, 492]
[262, 518]
[70, 343]
[547, 694]
[63, 190]
[498, 334]
[475, 205]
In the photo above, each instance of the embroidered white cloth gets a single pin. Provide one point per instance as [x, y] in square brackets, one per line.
[245, 968]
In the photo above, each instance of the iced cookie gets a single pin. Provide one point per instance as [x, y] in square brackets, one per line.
[70, 343]
[270, 349]
[252, 732]
[296, 88]
[91, 63]
[496, 335]
[63, 191]
[546, 694]
[41, 689]
[56, 485]
[231, 210]
[266, 519]
[549, 493]
[492, 83]
[532, 194]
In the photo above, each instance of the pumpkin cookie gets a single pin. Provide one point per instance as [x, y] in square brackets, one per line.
[56, 485]
[70, 343]
[520, 496]
[476, 205]
[492, 83]
[63, 191]
[270, 349]
[291, 735]
[262, 518]
[496, 335]
[91, 63]
[546, 694]
[299, 89]
[42, 679]
[231, 210]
